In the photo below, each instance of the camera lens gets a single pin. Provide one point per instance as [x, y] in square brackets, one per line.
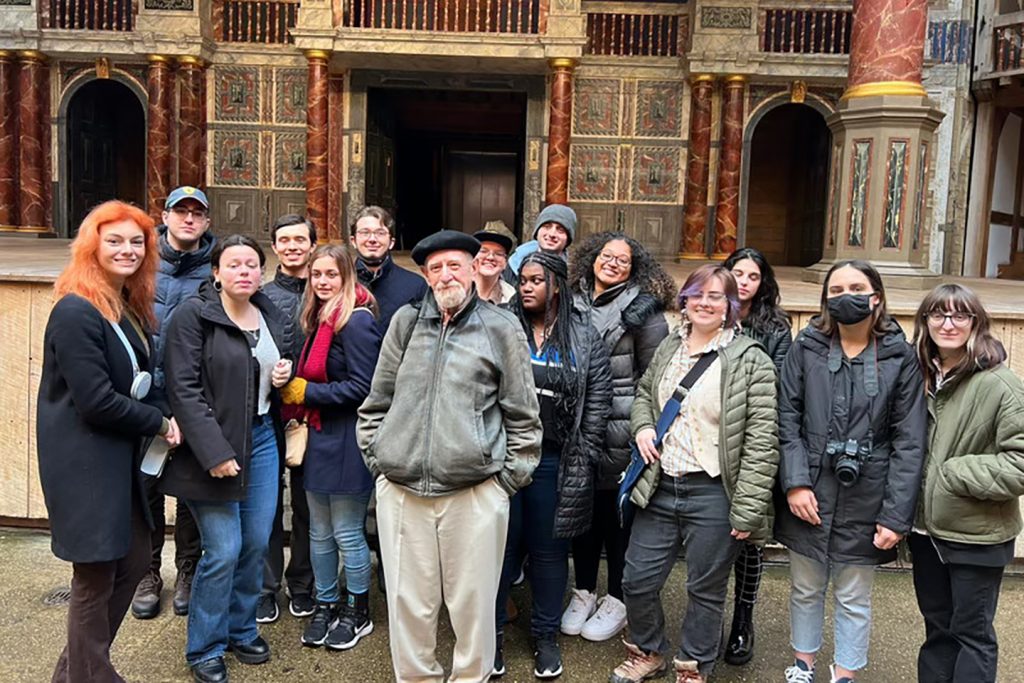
[847, 471]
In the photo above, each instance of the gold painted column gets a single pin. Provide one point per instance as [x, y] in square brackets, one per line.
[316, 139]
[695, 218]
[729, 158]
[883, 145]
[559, 131]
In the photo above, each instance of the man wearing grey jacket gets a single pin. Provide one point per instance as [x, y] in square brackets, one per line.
[451, 429]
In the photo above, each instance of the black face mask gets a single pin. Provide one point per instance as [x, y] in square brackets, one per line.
[850, 309]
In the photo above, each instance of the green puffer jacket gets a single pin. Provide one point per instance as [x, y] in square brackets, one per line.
[749, 439]
[975, 468]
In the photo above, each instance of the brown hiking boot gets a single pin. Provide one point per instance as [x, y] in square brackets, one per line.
[639, 666]
[687, 672]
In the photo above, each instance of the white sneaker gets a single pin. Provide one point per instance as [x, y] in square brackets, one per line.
[581, 606]
[608, 620]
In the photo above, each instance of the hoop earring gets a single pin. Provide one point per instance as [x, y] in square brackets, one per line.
[217, 285]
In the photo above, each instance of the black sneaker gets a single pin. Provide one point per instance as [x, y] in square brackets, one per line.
[183, 588]
[353, 623]
[499, 657]
[324, 619]
[146, 601]
[302, 605]
[267, 611]
[547, 658]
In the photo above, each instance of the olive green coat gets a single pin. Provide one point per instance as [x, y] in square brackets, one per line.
[974, 473]
[748, 444]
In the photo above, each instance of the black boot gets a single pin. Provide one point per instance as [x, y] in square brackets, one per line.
[353, 623]
[740, 649]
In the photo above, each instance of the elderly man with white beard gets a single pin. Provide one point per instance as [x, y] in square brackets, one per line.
[451, 429]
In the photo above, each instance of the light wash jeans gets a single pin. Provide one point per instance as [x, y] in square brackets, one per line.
[337, 522]
[851, 586]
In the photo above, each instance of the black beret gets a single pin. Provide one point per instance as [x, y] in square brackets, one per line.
[442, 241]
[504, 240]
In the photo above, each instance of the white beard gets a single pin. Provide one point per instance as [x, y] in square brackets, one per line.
[451, 296]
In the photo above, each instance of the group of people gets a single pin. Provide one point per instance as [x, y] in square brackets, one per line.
[487, 411]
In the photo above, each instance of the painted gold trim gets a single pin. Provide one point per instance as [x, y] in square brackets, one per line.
[683, 256]
[34, 229]
[702, 78]
[734, 79]
[190, 59]
[879, 88]
[318, 54]
[159, 59]
[562, 63]
[32, 55]
[6, 54]
[720, 256]
[8, 228]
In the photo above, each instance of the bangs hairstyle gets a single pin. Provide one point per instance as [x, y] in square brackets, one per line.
[381, 214]
[983, 349]
[645, 271]
[700, 277]
[766, 315]
[85, 276]
[316, 312]
[823, 321]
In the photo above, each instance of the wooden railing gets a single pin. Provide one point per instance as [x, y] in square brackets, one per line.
[447, 16]
[257, 21]
[1008, 41]
[807, 31]
[633, 35]
[92, 15]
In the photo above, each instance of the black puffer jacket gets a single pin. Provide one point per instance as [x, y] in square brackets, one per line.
[586, 443]
[286, 293]
[824, 398]
[631, 324]
[776, 343]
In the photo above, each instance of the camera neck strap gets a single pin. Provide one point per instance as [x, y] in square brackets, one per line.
[835, 361]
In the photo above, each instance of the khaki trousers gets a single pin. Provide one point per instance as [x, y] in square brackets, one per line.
[446, 549]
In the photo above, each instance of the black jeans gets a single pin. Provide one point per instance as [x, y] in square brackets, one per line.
[531, 524]
[187, 547]
[605, 533]
[691, 510]
[958, 603]
[299, 572]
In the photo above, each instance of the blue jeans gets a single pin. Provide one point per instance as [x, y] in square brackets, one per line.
[338, 522]
[235, 535]
[851, 584]
[531, 526]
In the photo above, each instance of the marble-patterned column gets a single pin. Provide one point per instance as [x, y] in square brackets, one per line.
[559, 131]
[190, 121]
[695, 218]
[158, 137]
[33, 80]
[8, 143]
[727, 210]
[887, 47]
[317, 110]
[335, 151]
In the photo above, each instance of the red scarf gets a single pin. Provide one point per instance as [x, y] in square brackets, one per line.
[313, 363]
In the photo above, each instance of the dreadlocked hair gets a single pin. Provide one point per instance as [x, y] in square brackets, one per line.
[766, 315]
[558, 312]
[645, 272]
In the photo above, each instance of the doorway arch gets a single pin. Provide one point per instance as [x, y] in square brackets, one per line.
[103, 131]
[785, 181]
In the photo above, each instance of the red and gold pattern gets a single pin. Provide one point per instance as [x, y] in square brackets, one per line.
[697, 169]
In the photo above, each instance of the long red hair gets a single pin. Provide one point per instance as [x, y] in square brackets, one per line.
[85, 276]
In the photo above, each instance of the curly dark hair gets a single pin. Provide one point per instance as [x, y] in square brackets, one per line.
[766, 315]
[645, 272]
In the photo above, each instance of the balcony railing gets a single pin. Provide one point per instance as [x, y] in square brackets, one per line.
[447, 16]
[634, 35]
[1008, 47]
[93, 15]
[257, 21]
[807, 31]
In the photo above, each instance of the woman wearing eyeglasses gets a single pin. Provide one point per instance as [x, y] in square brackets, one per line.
[968, 513]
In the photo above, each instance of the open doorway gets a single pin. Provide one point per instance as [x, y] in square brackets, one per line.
[788, 185]
[445, 158]
[107, 148]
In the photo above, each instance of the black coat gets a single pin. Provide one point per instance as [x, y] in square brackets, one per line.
[286, 293]
[392, 287]
[585, 445]
[821, 402]
[776, 343]
[632, 324]
[89, 432]
[210, 381]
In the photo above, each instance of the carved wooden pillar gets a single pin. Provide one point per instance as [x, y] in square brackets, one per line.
[33, 83]
[190, 116]
[728, 206]
[695, 219]
[8, 143]
[559, 131]
[316, 139]
[158, 136]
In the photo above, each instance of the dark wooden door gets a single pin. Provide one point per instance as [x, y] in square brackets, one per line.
[479, 187]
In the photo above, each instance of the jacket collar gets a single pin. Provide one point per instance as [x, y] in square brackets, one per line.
[288, 282]
[184, 261]
[367, 276]
[213, 309]
[430, 310]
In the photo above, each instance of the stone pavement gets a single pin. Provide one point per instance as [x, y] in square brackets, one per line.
[31, 634]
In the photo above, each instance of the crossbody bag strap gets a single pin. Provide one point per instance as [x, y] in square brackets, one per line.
[674, 404]
[127, 347]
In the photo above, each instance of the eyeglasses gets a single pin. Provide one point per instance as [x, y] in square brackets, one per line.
[487, 253]
[713, 297]
[380, 233]
[959, 319]
[183, 212]
[621, 261]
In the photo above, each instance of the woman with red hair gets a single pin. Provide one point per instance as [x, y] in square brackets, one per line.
[94, 410]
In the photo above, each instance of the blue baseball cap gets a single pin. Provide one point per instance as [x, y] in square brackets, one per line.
[186, 192]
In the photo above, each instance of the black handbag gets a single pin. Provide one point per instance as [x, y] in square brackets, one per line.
[668, 415]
